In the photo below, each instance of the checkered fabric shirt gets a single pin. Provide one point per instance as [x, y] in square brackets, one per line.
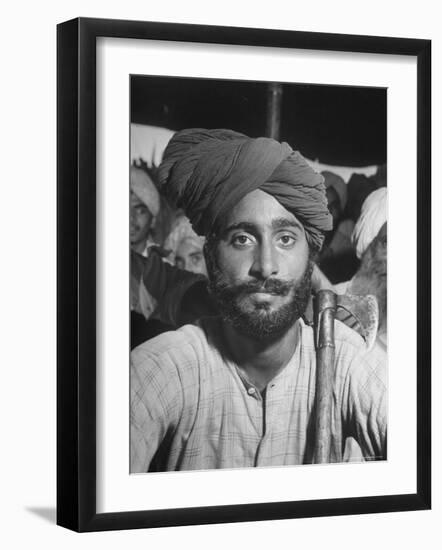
[192, 409]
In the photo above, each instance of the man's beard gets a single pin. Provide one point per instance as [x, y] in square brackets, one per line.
[259, 321]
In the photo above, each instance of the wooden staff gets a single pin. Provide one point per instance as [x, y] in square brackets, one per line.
[325, 310]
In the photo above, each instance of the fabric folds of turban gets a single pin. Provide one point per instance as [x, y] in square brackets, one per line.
[207, 172]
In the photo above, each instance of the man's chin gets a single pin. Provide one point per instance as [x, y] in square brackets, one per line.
[260, 326]
[261, 321]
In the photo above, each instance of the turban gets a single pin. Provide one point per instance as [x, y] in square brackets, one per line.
[180, 231]
[144, 188]
[207, 172]
[333, 180]
[372, 218]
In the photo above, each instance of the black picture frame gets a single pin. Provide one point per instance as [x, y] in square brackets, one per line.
[76, 273]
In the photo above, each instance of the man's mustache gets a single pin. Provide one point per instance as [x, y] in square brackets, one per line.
[275, 287]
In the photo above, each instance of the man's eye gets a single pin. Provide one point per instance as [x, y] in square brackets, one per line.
[241, 240]
[287, 240]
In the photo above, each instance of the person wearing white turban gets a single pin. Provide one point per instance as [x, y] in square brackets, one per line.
[186, 247]
[370, 242]
[147, 143]
[372, 218]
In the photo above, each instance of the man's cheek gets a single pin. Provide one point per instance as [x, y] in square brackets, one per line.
[236, 270]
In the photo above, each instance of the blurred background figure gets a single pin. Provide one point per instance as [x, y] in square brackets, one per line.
[168, 270]
[160, 236]
[144, 209]
[359, 186]
[337, 260]
[166, 214]
[147, 145]
[370, 243]
[336, 191]
[186, 247]
[373, 217]
[147, 221]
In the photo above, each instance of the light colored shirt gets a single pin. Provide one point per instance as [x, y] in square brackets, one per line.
[191, 409]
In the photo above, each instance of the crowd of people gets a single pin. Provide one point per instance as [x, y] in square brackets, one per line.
[211, 186]
[167, 257]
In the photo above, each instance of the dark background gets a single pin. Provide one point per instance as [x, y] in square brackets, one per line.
[340, 125]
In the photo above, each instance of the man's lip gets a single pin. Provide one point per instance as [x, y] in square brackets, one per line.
[263, 293]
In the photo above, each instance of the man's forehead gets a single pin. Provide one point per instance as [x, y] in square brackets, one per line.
[260, 209]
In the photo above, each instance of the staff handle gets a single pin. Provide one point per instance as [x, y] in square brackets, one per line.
[325, 360]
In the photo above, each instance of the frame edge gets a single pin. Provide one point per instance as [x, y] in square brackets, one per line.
[76, 428]
[67, 275]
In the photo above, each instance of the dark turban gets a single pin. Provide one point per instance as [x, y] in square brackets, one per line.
[207, 172]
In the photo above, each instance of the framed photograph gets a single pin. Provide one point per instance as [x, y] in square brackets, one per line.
[223, 353]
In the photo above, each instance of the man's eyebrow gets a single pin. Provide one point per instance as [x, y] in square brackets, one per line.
[277, 224]
[245, 226]
[285, 223]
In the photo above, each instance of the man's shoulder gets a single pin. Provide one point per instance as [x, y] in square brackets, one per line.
[345, 336]
[186, 344]
[168, 342]
[348, 337]
[354, 356]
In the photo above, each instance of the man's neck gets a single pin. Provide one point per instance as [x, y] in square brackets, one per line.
[261, 360]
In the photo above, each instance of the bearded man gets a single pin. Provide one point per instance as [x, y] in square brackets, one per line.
[238, 389]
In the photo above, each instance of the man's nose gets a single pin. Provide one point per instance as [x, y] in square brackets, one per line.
[265, 262]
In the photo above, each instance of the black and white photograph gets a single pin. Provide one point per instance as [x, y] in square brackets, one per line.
[258, 274]
[222, 350]
[231, 319]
